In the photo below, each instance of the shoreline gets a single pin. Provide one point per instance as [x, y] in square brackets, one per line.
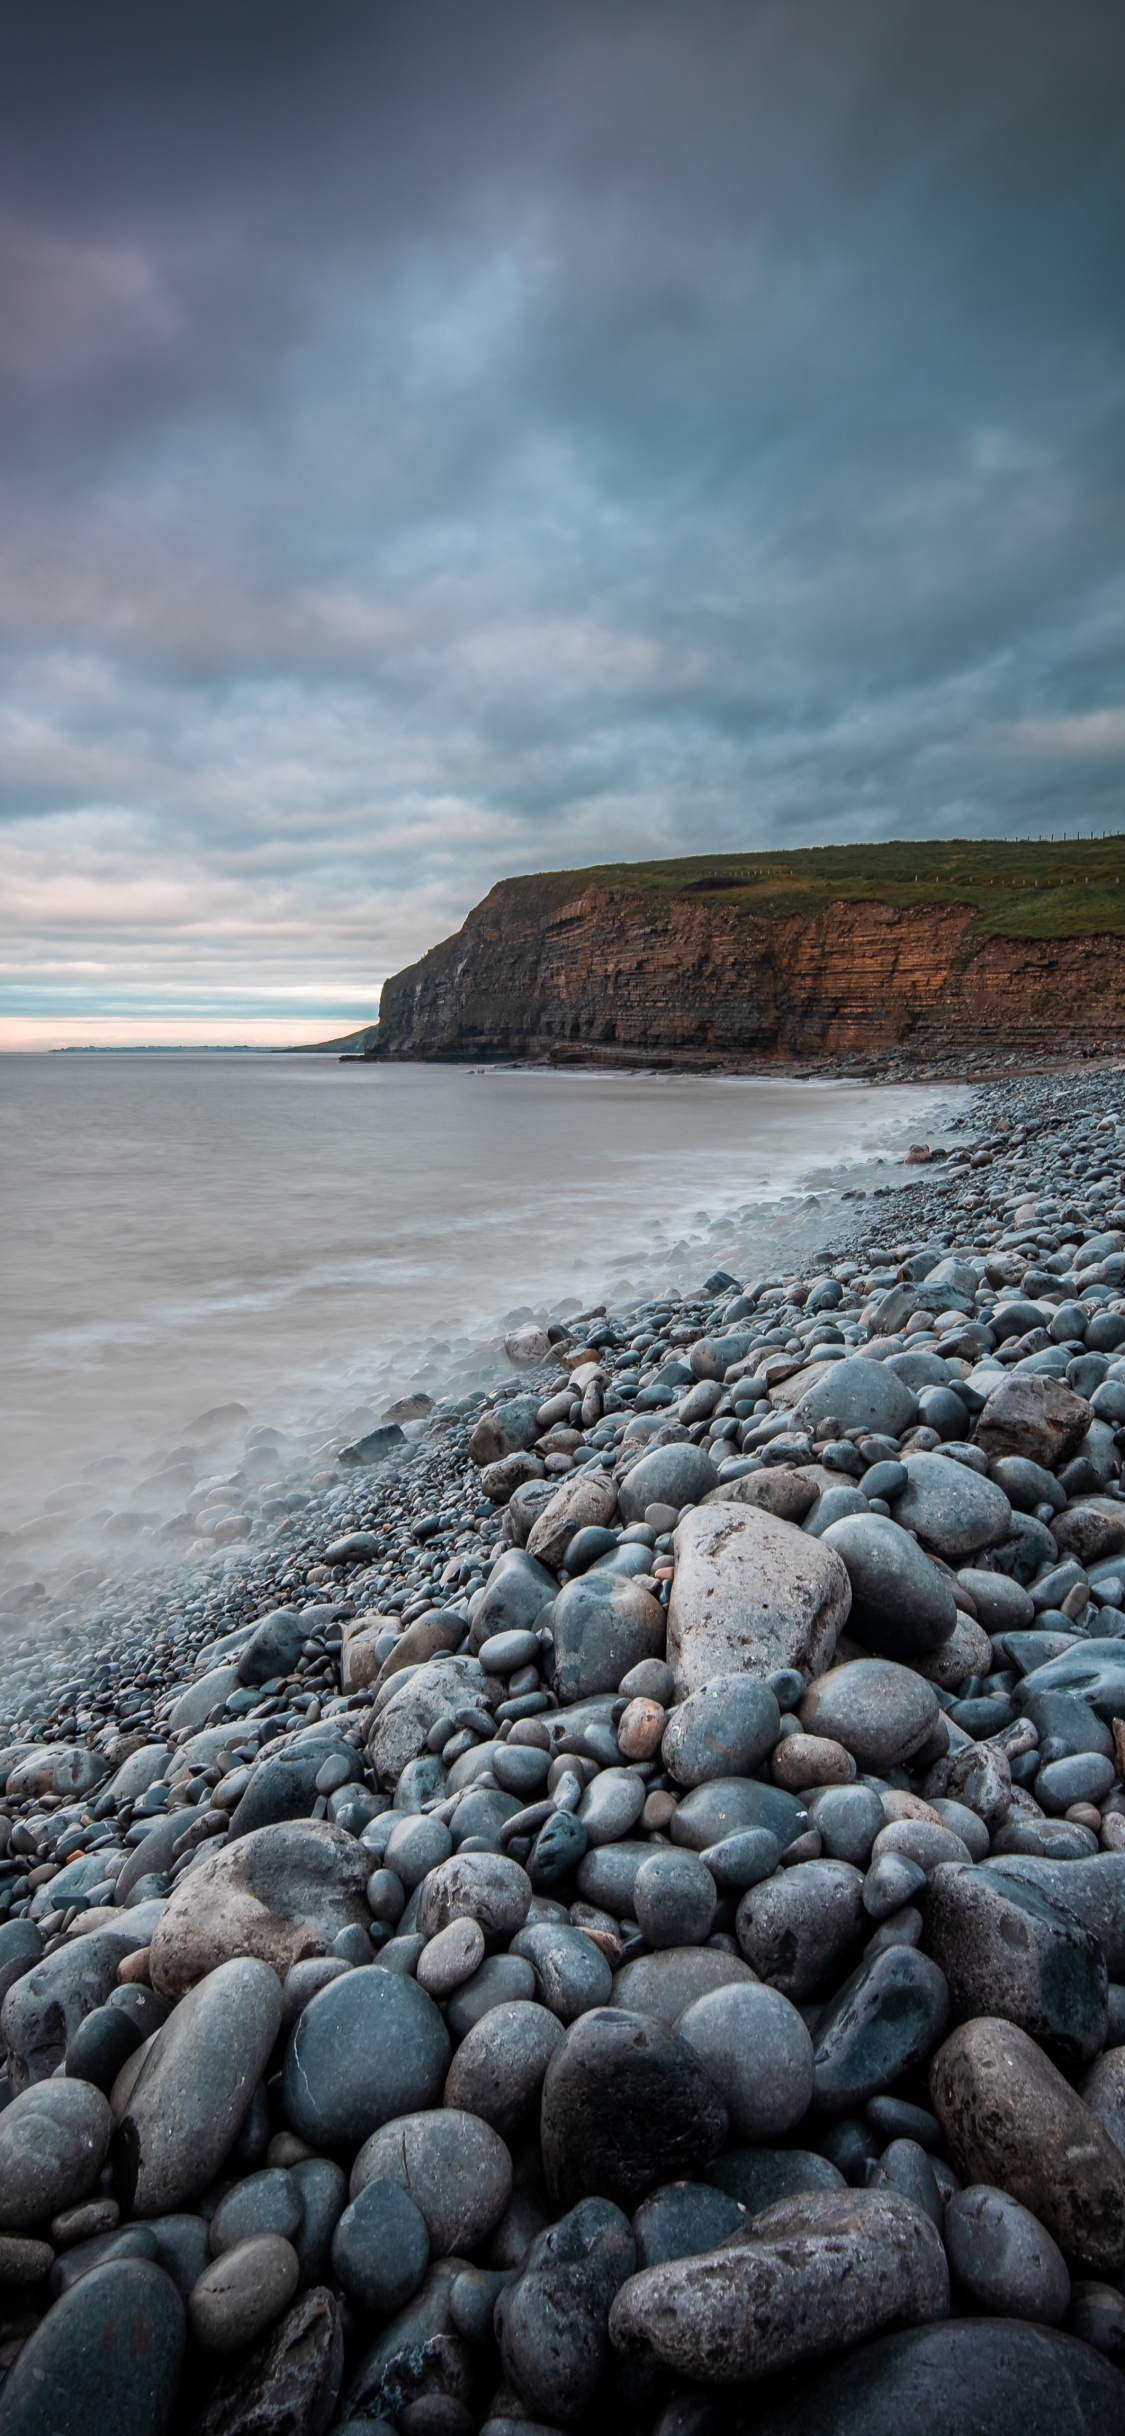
[557, 1764]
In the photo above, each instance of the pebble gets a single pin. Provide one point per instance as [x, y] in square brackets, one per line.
[801, 1929]
[953, 1511]
[53, 2142]
[665, 1984]
[571, 1975]
[290, 2383]
[880, 1712]
[501, 1979]
[552, 2322]
[454, 2166]
[725, 1729]
[380, 2247]
[674, 1897]
[1011, 2119]
[900, 1605]
[269, 2202]
[885, 2021]
[481, 1886]
[497, 2072]
[759, 2055]
[450, 1958]
[281, 1894]
[684, 2220]
[106, 2357]
[1008, 1950]
[603, 1625]
[369, 2048]
[1012, 2378]
[1002, 2259]
[729, 1805]
[242, 2293]
[626, 2105]
[751, 1594]
[186, 2108]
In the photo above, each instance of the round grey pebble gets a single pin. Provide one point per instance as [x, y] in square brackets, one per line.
[415, 1847]
[104, 2361]
[682, 2221]
[759, 2055]
[53, 2141]
[674, 1896]
[740, 1861]
[847, 1819]
[269, 2202]
[891, 1881]
[503, 1979]
[724, 1729]
[455, 2167]
[497, 2072]
[1002, 2257]
[571, 1974]
[371, 2046]
[380, 2248]
[239, 2296]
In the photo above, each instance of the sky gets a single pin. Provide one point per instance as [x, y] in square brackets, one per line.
[478, 436]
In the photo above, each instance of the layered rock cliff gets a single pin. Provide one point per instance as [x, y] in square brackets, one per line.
[568, 965]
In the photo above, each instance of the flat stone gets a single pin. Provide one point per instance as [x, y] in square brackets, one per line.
[665, 1984]
[626, 2106]
[755, 2047]
[800, 1930]
[454, 2166]
[197, 1699]
[571, 1974]
[1006, 1949]
[993, 2373]
[808, 2276]
[280, 1894]
[194, 2090]
[551, 2323]
[381, 2247]
[483, 1886]
[587, 1496]
[604, 1624]
[885, 2021]
[1003, 2260]
[954, 1511]
[751, 1595]
[371, 2047]
[900, 1604]
[1011, 2119]
[1033, 1416]
[105, 2361]
[726, 1728]
[880, 1712]
[730, 1804]
[497, 2072]
[1093, 1669]
[1092, 1889]
[242, 2294]
[53, 2141]
[290, 2384]
[788, 1494]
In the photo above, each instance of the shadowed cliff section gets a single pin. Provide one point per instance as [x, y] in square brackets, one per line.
[828, 952]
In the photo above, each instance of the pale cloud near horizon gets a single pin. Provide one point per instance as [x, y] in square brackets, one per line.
[457, 442]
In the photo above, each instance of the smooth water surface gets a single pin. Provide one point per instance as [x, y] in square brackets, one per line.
[179, 1230]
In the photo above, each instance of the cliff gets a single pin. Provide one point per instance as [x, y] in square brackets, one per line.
[829, 953]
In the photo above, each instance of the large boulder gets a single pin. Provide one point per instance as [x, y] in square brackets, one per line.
[282, 1894]
[808, 2277]
[751, 1594]
[62, 1768]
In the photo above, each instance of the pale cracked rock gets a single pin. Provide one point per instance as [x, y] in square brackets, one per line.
[751, 1594]
[587, 1497]
[809, 2276]
[281, 1893]
[404, 1714]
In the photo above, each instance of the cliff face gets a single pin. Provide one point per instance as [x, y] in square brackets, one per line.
[539, 970]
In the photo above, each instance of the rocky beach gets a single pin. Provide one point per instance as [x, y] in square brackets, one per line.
[610, 1913]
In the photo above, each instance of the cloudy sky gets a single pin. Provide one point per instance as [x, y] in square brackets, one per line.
[443, 438]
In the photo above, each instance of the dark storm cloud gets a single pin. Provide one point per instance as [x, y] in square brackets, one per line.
[445, 440]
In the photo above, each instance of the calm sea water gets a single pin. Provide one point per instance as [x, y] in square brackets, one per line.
[305, 1237]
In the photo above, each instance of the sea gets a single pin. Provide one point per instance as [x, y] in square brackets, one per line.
[303, 1242]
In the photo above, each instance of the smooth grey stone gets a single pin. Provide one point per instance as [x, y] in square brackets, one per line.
[761, 2176]
[1103, 2088]
[21, 1945]
[1093, 1888]
[415, 1847]
[106, 2358]
[847, 1819]
[1013, 2379]
[482, 1886]
[509, 1650]
[730, 1804]
[520, 1768]
[896, 2119]
[290, 2383]
[844, 1497]
[901, 1605]
[670, 1476]
[1027, 1485]
[403, 1718]
[369, 2047]
[269, 2202]
[684, 2220]
[587, 1546]
[239, 2296]
[674, 1897]
[892, 1880]
[274, 1646]
[42, 2010]
[275, 1894]
[129, 2241]
[1065, 1717]
[397, 2361]
[623, 1562]
[380, 2247]
[323, 2192]
[1097, 2312]
[800, 1930]
[663, 1985]
[473, 2299]
[1011, 2118]
[502, 1979]
[197, 1699]
[1007, 1949]
[303, 1981]
[180, 2246]
[479, 1817]
[626, 2105]
[524, 1507]
[571, 1974]
[150, 1859]
[1095, 1669]
[100, 2046]
[954, 1511]
[1085, 1777]
[863, 1395]
[515, 1595]
[611, 1805]
[724, 1729]
[919, 1370]
[422, 1780]
[812, 2273]
[1003, 2259]
[759, 2055]
[196, 2084]
[651, 1680]
[607, 1874]
[743, 1860]
[497, 2072]
[551, 2323]
[603, 1626]
[53, 2142]
[886, 2019]
[904, 2166]
[881, 1712]
[1001, 1604]
[455, 2167]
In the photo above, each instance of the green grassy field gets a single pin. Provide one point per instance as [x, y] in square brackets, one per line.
[1024, 891]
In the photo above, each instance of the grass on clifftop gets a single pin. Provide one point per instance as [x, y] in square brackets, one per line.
[1024, 891]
